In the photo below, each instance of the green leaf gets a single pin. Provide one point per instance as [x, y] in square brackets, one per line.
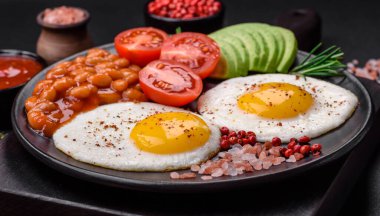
[178, 30]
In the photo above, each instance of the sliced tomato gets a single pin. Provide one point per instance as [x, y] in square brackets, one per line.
[140, 45]
[170, 83]
[196, 50]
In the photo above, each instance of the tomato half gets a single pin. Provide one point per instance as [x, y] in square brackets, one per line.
[170, 83]
[196, 50]
[140, 45]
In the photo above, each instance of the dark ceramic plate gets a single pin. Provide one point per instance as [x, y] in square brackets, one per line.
[335, 144]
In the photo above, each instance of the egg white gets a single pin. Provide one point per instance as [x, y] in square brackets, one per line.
[102, 137]
[332, 106]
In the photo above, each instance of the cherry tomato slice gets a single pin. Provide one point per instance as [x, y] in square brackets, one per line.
[140, 45]
[196, 50]
[170, 83]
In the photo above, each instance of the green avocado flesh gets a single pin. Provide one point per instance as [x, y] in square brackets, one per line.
[254, 47]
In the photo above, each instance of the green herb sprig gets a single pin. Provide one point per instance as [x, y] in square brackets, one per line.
[326, 63]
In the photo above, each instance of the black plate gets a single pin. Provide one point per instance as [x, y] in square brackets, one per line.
[335, 144]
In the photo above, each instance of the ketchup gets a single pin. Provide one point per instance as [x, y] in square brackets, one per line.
[16, 70]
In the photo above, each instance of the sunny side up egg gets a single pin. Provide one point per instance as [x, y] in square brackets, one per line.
[279, 105]
[139, 137]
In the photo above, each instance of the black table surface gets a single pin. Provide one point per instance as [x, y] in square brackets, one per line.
[28, 187]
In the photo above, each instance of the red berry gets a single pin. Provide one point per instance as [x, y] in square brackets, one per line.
[304, 139]
[293, 139]
[297, 148]
[305, 149]
[240, 141]
[242, 133]
[252, 139]
[224, 130]
[224, 137]
[246, 141]
[282, 151]
[316, 147]
[232, 134]
[232, 140]
[291, 144]
[225, 144]
[276, 141]
[250, 133]
[288, 152]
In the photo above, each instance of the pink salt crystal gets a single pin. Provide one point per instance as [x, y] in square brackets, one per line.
[187, 175]
[291, 159]
[206, 177]
[262, 155]
[195, 168]
[174, 175]
[298, 156]
[217, 172]
[277, 161]
[258, 148]
[267, 164]
[248, 157]
[258, 165]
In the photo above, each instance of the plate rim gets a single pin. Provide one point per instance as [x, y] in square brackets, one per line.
[185, 186]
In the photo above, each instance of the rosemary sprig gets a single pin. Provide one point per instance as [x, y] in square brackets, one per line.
[326, 63]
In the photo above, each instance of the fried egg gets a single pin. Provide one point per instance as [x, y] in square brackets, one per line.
[139, 137]
[279, 105]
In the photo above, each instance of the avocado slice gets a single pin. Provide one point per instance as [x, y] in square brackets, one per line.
[239, 50]
[280, 45]
[226, 67]
[290, 51]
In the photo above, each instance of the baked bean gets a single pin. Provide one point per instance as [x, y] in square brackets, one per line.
[76, 67]
[56, 73]
[80, 92]
[112, 57]
[91, 61]
[63, 65]
[133, 95]
[90, 69]
[115, 74]
[82, 77]
[92, 88]
[63, 84]
[121, 62]
[80, 59]
[97, 52]
[30, 102]
[107, 97]
[77, 72]
[119, 85]
[100, 80]
[105, 65]
[48, 94]
[132, 79]
[137, 87]
[37, 119]
[45, 107]
[135, 68]
[41, 85]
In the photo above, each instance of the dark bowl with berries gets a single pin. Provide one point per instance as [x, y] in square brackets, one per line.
[203, 16]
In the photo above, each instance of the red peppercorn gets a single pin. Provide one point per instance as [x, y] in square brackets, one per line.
[225, 144]
[242, 133]
[291, 144]
[252, 139]
[316, 147]
[276, 141]
[282, 151]
[224, 137]
[240, 141]
[250, 133]
[293, 139]
[304, 139]
[305, 149]
[246, 141]
[297, 148]
[288, 152]
[232, 140]
[232, 134]
[224, 130]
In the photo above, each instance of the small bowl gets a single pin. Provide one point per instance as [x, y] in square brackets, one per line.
[204, 25]
[8, 95]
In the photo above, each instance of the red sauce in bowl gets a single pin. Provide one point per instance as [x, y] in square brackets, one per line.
[16, 70]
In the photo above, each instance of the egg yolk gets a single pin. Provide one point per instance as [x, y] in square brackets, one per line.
[170, 133]
[276, 100]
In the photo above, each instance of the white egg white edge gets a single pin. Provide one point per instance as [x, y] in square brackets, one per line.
[102, 159]
[208, 107]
